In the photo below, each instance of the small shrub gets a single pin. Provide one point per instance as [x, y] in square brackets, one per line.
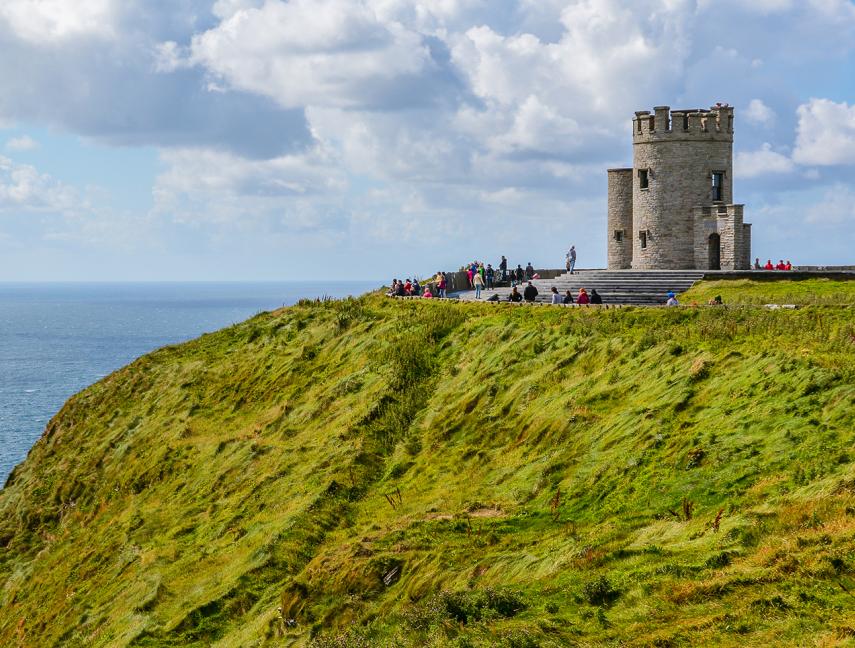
[600, 591]
[695, 458]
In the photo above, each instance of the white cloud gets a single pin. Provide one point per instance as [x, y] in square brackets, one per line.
[764, 161]
[312, 52]
[23, 189]
[825, 134]
[22, 143]
[759, 113]
[212, 186]
[42, 21]
[756, 6]
[228, 8]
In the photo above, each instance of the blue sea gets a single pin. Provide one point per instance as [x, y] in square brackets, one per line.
[55, 339]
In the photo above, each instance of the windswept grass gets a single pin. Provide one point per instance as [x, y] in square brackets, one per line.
[373, 472]
[768, 290]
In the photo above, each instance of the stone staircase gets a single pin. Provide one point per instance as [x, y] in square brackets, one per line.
[633, 287]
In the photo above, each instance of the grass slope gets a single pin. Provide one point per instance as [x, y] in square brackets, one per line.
[409, 474]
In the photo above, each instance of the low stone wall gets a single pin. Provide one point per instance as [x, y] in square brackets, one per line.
[458, 281]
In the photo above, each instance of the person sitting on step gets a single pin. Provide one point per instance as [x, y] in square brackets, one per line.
[530, 292]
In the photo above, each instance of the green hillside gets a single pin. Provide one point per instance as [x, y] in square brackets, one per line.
[403, 473]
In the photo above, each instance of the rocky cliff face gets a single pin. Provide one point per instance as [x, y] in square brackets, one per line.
[373, 472]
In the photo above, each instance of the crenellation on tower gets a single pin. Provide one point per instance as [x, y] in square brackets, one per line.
[674, 206]
[662, 119]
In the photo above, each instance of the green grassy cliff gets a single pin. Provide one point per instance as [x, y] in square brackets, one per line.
[375, 472]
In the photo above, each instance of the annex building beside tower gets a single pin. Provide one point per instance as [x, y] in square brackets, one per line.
[674, 208]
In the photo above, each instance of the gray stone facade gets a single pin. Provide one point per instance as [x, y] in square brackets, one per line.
[674, 208]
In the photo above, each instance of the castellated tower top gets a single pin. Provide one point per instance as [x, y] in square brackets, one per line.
[715, 124]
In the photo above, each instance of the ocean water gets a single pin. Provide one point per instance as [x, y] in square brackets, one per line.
[56, 339]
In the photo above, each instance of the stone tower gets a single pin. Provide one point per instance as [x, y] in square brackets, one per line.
[674, 208]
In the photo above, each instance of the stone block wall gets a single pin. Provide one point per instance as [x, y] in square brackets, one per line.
[734, 246]
[620, 219]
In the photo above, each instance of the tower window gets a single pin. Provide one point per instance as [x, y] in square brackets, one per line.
[618, 235]
[643, 237]
[717, 186]
[643, 179]
[685, 121]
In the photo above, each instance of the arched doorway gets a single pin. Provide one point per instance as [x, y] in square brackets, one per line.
[715, 251]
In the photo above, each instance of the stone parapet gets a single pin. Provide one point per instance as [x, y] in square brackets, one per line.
[715, 124]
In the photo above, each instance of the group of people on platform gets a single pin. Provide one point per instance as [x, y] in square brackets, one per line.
[437, 287]
[780, 266]
[530, 292]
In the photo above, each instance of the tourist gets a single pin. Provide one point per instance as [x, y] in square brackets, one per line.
[417, 287]
[768, 265]
[478, 282]
[568, 298]
[570, 259]
[408, 287]
[556, 298]
[490, 276]
[503, 268]
[469, 274]
[428, 294]
[672, 299]
[788, 265]
[399, 290]
[595, 297]
[757, 265]
[780, 265]
[441, 284]
[715, 301]
[394, 289]
[529, 271]
[520, 274]
[582, 298]
[530, 292]
[515, 295]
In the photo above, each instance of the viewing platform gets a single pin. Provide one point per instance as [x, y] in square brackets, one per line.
[644, 287]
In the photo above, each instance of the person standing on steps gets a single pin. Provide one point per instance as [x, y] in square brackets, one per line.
[530, 293]
[520, 274]
[529, 271]
[503, 268]
[478, 282]
[490, 275]
[571, 259]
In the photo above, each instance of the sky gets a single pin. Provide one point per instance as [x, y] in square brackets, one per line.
[365, 139]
